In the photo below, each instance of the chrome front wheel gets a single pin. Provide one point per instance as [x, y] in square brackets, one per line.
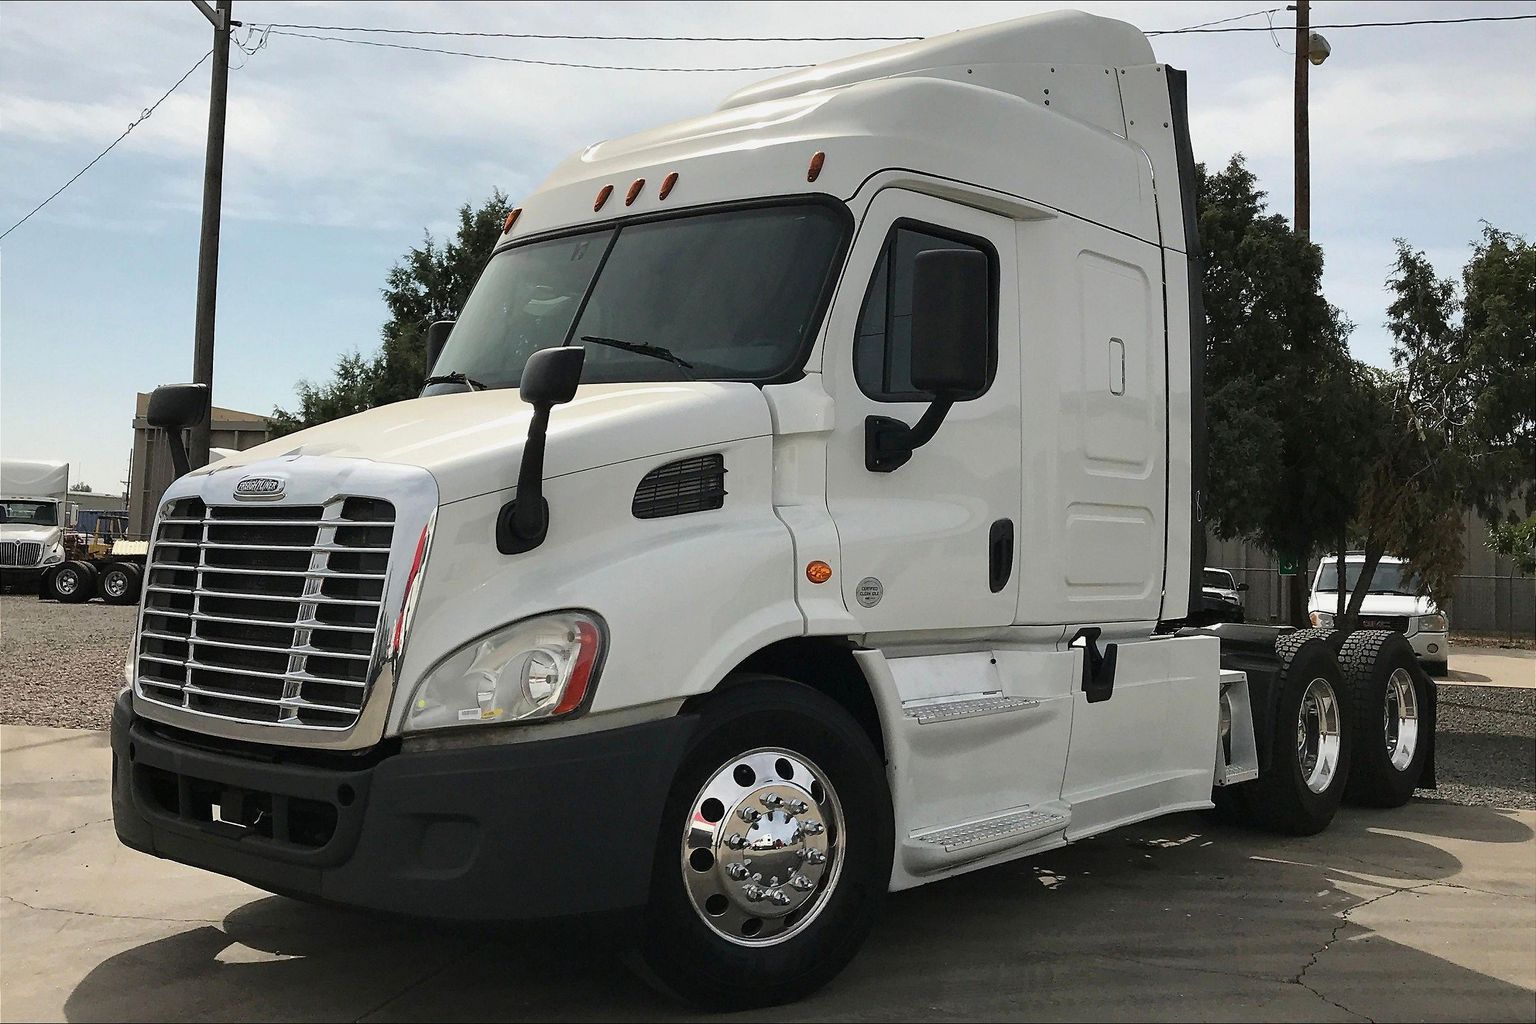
[761, 853]
[1400, 719]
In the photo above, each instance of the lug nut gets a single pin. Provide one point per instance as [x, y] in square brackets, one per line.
[772, 800]
[748, 815]
[778, 898]
[813, 856]
[754, 893]
[797, 807]
[737, 871]
[812, 828]
[802, 883]
[736, 841]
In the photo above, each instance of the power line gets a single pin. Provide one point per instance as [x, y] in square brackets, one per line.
[530, 60]
[1354, 24]
[143, 116]
[1221, 21]
[561, 35]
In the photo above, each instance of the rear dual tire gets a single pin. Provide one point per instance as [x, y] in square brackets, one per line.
[120, 583]
[1390, 717]
[70, 583]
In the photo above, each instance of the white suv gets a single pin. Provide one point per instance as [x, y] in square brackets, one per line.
[1393, 602]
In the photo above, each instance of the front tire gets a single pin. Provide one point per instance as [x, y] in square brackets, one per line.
[1389, 724]
[72, 583]
[774, 853]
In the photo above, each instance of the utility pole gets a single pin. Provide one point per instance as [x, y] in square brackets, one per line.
[208, 245]
[1303, 219]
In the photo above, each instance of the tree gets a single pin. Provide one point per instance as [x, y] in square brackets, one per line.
[1517, 542]
[1278, 376]
[82, 488]
[432, 282]
[1459, 428]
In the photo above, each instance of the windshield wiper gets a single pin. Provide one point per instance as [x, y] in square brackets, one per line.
[455, 377]
[654, 351]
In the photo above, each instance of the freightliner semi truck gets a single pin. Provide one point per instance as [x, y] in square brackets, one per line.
[805, 506]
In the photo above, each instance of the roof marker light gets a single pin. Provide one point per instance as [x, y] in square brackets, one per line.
[634, 191]
[815, 169]
[666, 185]
[506, 225]
[602, 197]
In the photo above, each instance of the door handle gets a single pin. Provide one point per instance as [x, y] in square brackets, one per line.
[1000, 554]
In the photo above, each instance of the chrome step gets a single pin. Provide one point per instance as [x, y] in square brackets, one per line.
[958, 844]
[977, 707]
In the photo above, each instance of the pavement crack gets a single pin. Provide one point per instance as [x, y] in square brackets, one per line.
[1333, 936]
[113, 917]
[60, 832]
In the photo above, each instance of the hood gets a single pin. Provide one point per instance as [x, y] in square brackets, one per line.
[44, 535]
[472, 443]
[1377, 604]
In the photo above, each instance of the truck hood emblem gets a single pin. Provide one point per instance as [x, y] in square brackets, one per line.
[255, 488]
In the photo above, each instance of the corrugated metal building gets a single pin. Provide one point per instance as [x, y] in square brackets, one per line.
[150, 472]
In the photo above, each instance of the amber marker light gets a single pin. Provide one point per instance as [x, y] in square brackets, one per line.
[602, 197]
[634, 191]
[506, 225]
[818, 571]
[666, 185]
[814, 171]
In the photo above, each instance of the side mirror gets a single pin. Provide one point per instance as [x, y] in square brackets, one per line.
[1242, 586]
[437, 338]
[951, 350]
[173, 408]
[951, 322]
[550, 378]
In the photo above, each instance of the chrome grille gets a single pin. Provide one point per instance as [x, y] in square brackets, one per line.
[265, 614]
[20, 552]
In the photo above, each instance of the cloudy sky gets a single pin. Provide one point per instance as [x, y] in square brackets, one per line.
[339, 156]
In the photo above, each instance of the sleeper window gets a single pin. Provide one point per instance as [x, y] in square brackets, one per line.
[882, 350]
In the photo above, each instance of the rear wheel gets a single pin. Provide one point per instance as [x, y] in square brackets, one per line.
[72, 582]
[1390, 700]
[774, 853]
[1310, 745]
[119, 583]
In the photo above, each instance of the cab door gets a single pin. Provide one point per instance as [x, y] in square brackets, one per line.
[932, 544]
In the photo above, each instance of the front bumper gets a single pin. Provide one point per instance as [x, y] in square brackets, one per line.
[1430, 646]
[23, 575]
[498, 832]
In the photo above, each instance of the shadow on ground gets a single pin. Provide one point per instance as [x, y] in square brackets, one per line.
[1179, 918]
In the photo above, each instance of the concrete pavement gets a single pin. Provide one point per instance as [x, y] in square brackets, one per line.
[1492, 666]
[1423, 913]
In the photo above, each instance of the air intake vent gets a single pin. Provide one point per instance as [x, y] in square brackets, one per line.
[690, 485]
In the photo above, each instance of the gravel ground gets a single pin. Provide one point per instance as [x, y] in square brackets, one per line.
[61, 664]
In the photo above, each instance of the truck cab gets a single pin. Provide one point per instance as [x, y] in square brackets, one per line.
[34, 513]
[803, 507]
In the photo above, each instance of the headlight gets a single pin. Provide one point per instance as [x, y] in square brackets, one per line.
[1432, 623]
[539, 668]
[1323, 620]
[54, 556]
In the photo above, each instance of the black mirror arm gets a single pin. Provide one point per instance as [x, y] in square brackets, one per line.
[525, 519]
[889, 443]
[179, 460]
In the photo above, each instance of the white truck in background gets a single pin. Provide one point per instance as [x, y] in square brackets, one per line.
[34, 513]
[805, 507]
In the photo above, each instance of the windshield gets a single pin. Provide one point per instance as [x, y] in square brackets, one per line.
[31, 513]
[730, 295]
[1389, 578]
[1218, 580]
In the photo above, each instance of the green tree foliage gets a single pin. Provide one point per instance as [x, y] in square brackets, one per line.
[1516, 541]
[1283, 396]
[430, 283]
[1458, 427]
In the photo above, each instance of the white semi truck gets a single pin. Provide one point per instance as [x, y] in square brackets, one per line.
[34, 513]
[804, 507]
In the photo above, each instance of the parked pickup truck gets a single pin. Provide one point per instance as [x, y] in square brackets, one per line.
[804, 507]
[1392, 602]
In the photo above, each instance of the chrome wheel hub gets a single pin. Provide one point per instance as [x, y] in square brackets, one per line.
[66, 582]
[1400, 719]
[116, 584]
[762, 848]
[1318, 735]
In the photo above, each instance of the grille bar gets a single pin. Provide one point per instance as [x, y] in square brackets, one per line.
[265, 615]
[20, 553]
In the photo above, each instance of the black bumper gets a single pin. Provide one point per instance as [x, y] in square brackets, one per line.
[500, 832]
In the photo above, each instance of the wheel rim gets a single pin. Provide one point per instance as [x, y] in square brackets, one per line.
[116, 584]
[1318, 735]
[66, 582]
[1400, 719]
[762, 848]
